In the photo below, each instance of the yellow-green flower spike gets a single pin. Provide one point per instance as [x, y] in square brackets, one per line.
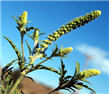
[24, 18]
[77, 22]
[44, 45]
[65, 51]
[88, 73]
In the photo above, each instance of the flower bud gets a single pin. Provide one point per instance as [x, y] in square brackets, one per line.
[24, 18]
[65, 51]
[88, 73]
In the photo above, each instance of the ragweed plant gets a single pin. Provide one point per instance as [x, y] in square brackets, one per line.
[8, 86]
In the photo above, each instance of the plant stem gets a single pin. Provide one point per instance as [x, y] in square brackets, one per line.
[33, 68]
[54, 90]
[17, 83]
[23, 59]
[43, 61]
[22, 46]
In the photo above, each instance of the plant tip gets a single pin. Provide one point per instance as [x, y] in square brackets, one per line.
[99, 12]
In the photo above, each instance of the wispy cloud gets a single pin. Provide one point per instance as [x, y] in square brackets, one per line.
[98, 56]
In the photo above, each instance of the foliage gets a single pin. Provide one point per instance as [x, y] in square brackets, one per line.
[69, 82]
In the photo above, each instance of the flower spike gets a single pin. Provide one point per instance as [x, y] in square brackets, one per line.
[77, 22]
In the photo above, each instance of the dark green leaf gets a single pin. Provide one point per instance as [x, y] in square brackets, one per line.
[68, 89]
[87, 87]
[15, 19]
[67, 77]
[78, 86]
[31, 36]
[41, 34]
[28, 47]
[18, 53]
[8, 65]
[72, 89]
[77, 69]
[87, 82]
[65, 81]
[50, 69]
[62, 65]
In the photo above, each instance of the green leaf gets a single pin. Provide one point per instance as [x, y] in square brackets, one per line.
[11, 83]
[72, 89]
[87, 82]
[87, 87]
[77, 69]
[31, 28]
[62, 64]
[18, 53]
[50, 69]
[67, 77]
[78, 86]
[41, 34]
[31, 36]
[9, 64]
[28, 48]
[54, 51]
[68, 89]
[15, 19]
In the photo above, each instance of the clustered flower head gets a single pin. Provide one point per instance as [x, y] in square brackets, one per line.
[62, 52]
[77, 22]
[23, 18]
[88, 73]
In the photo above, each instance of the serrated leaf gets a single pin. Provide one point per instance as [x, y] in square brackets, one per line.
[18, 53]
[77, 69]
[29, 48]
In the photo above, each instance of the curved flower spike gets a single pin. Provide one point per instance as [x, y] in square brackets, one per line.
[77, 22]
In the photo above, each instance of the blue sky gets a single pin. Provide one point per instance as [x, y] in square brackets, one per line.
[48, 17]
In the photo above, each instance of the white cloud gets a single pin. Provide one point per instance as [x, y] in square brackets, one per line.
[98, 56]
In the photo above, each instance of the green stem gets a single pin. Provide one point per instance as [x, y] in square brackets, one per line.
[33, 68]
[23, 59]
[17, 83]
[43, 61]
[22, 46]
